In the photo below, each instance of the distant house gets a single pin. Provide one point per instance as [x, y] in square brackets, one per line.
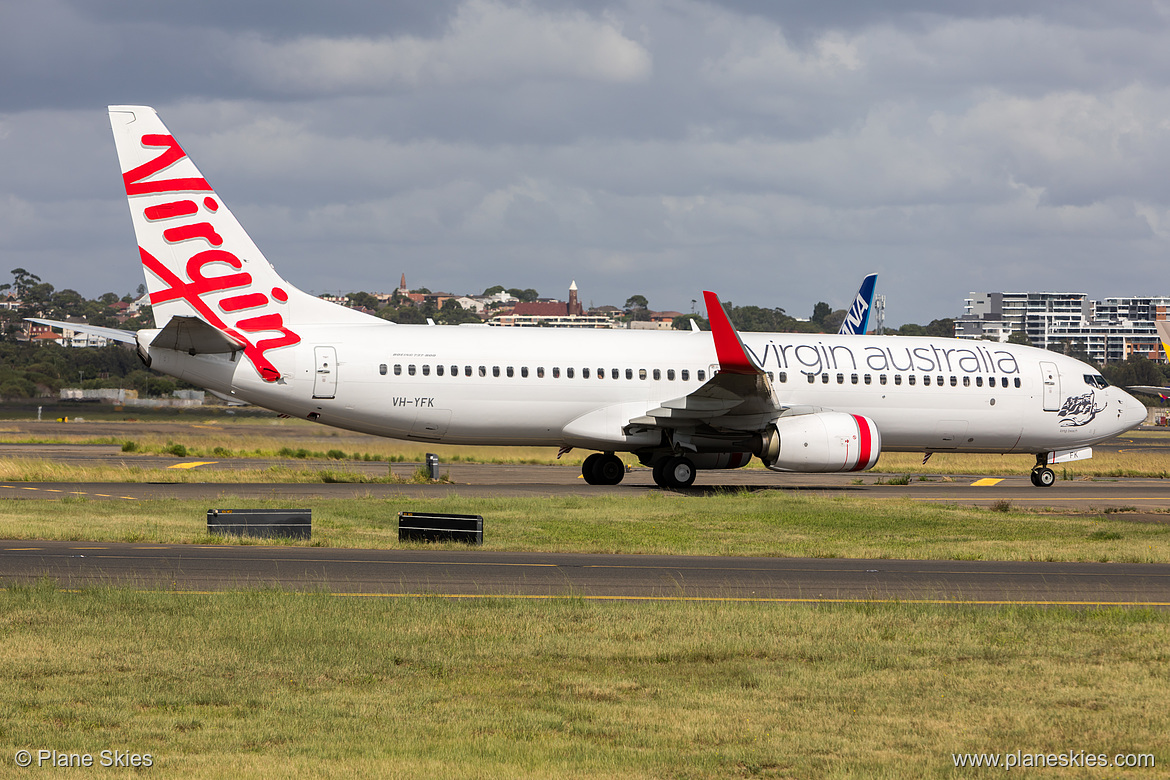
[551, 314]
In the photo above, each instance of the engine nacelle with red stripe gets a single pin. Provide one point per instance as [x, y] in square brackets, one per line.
[822, 442]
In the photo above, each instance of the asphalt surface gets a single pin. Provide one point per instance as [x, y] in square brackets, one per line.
[475, 573]
[1149, 496]
[478, 574]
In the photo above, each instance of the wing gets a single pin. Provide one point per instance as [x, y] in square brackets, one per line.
[739, 397]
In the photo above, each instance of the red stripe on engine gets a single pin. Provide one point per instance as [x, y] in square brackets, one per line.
[866, 443]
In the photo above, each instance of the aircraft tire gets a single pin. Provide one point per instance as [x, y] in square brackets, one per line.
[609, 470]
[1043, 477]
[659, 471]
[589, 469]
[678, 472]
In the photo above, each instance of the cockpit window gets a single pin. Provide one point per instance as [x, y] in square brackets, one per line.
[1095, 380]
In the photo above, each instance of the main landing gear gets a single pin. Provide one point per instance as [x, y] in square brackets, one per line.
[674, 472]
[1042, 476]
[603, 469]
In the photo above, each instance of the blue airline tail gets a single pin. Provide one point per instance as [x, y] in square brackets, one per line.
[857, 319]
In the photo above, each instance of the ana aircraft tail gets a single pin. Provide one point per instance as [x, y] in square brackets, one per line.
[857, 318]
[199, 262]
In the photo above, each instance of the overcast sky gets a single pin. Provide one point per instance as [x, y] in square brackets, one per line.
[772, 151]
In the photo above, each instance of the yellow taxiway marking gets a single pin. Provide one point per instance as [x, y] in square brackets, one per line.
[193, 464]
[21, 549]
[89, 548]
[986, 482]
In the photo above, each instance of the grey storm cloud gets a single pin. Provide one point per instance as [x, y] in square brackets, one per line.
[772, 151]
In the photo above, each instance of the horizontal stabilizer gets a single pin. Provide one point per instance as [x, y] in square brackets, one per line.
[113, 334]
[195, 337]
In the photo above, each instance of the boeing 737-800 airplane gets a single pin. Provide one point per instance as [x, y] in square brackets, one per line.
[680, 401]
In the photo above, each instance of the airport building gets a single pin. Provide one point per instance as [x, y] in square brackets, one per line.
[1108, 330]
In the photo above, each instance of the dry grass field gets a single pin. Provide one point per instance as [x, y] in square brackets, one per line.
[222, 435]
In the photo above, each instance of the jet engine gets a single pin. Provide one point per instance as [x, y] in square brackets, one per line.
[821, 442]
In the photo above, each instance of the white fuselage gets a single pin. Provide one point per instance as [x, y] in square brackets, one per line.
[544, 386]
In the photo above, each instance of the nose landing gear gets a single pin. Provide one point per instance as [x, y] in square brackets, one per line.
[1042, 476]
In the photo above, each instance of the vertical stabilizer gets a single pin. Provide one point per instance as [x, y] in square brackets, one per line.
[857, 318]
[198, 260]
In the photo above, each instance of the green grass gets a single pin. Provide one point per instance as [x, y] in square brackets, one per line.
[772, 523]
[264, 684]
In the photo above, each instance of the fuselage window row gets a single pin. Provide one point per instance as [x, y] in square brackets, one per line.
[685, 374]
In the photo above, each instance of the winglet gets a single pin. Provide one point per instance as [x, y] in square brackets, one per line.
[733, 356]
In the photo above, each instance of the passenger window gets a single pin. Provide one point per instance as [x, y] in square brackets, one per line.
[397, 369]
[556, 372]
[657, 374]
[925, 380]
[702, 375]
[824, 379]
[979, 381]
[483, 370]
[954, 381]
[467, 371]
[869, 379]
[966, 381]
[783, 376]
[670, 374]
[382, 369]
[629, 373]
[601, 373]
[910, 379]
[569, 372]
[840, 379]
[495, 371]
[455, 371]
[439, 369]
[524, 372]
[940, 381]
[881, 379]
[540, 372]
[641, 373]
[510, 371]
[685, 375]
[615, 374]
[897, 379]
[410, 369]
[853, 378]
[1017, 381]
[584, 373]
[812, 378]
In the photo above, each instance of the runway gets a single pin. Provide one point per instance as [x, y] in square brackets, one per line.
[481, 574]
[1142, 495]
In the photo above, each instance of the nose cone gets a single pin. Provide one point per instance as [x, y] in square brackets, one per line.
[1133, 412]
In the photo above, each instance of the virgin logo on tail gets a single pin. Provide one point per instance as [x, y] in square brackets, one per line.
[200, 285]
